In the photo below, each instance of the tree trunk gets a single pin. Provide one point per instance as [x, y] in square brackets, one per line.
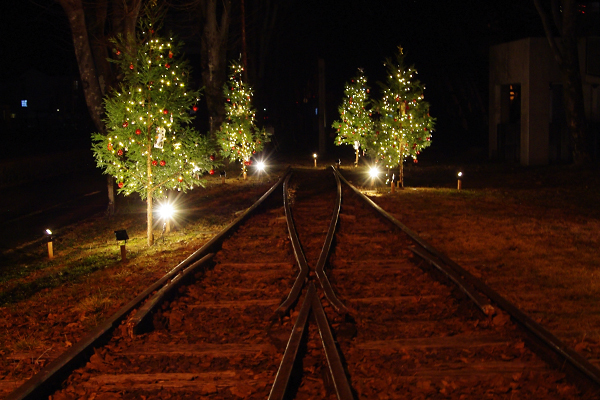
[89, 78]
[214, 58]
[356, 160]
[83, 53]
[401, 174]
[149, 227]
[565, 49]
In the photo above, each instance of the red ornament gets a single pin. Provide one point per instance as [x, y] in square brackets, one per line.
[195, 108]
[138, 131]
[162, 163]
[109, 147]
[397, 98]
[428, 138]
[180, 179]
[165, 111]
[167, 65]
[212, 158]
[170, 56]
[131, 67]
[125, 124]
[118, 52]
[415, 161]
[154, 162]
[228, 100]
[212, 172]
[120, 185]
[119, 152]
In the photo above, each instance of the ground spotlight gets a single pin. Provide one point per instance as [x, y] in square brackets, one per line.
[374, 172]
[315, 158]
[459, 186]
[166, 211]
[260, 166]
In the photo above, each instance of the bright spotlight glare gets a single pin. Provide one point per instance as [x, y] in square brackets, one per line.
[373, 172]
[166, 211]
[260, 166]
[459, 174]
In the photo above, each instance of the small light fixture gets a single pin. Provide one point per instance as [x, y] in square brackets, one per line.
[49, 238]
[122, 235]
[315, 158]
[459, 186]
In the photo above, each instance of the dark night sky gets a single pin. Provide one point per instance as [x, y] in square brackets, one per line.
[447, 41]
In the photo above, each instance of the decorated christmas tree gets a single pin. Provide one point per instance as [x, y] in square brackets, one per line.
[355, 126]
[150, 146]
[405, 126]
[238, 136]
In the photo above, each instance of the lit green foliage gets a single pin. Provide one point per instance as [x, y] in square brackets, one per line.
[150, 145]
[355, 126]
[238, 136]
[405, 125]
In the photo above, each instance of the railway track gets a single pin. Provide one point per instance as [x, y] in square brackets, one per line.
[318, 296]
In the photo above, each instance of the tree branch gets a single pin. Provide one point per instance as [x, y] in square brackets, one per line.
[554, 45]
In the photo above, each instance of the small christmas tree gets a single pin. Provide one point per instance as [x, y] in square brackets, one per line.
[355, 126]
[405, 125]
[150, 146]
[238, 136]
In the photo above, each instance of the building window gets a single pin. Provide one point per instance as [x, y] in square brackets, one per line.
[23, 103]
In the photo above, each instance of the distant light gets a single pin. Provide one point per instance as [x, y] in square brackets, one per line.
[48, 232]
[23, 103]
[57, 110]
[374, 172]
[460, 174]
[315, 155]
[316, 111]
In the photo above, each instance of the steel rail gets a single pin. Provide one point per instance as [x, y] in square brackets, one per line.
[49, 377]
[282, 379]
[320, 268]
[138, 323]
[483, 304]
[298, 253]
[336, 368]
[579, 368]
[311, 303]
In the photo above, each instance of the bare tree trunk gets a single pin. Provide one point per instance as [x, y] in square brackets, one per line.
[91, 50]
[87, 68]
[214, 57]
[564, 16]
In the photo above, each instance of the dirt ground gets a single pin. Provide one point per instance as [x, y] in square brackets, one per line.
[531, 233]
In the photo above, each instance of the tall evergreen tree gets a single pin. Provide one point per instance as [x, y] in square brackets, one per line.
[150, 146]
[355, 126]
[405, 125]
[238, 136]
